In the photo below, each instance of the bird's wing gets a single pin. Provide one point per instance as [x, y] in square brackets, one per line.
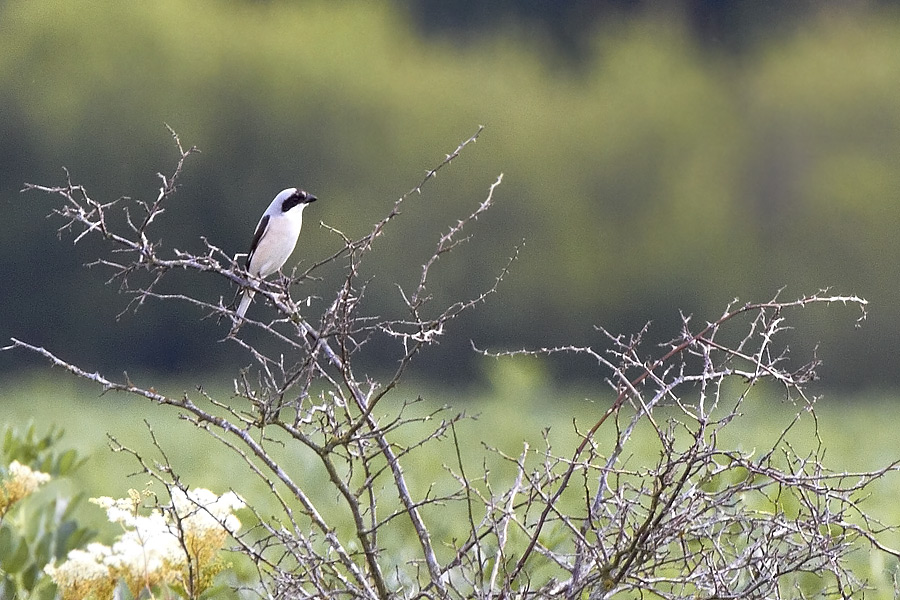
[260, 230]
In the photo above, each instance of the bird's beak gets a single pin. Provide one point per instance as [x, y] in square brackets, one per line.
[310, 198]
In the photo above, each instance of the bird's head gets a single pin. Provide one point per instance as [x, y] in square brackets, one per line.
[292, 198]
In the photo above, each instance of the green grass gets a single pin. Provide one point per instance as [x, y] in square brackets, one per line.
[517, 407]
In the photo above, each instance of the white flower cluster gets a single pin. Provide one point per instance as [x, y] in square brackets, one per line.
[200, 510]
[25, 477]
[151, 550]
[84, 574]
[20, 482]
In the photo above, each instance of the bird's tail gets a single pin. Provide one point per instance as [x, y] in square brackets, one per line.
[245, 303]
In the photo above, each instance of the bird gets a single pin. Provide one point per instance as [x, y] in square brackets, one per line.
[275, 238]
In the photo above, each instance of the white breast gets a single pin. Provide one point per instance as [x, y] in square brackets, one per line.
[276, 245]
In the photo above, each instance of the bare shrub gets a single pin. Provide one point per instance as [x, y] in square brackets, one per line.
[704, 520]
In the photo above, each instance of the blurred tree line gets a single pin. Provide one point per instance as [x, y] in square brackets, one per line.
[654, 159]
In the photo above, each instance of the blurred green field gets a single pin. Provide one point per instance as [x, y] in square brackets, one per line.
[515, 405]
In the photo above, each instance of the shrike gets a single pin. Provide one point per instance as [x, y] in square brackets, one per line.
[275, 237]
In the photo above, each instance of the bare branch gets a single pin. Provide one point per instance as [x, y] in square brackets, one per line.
[701, 519]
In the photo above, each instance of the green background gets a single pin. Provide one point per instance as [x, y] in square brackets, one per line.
[650, 165]
[654, 161]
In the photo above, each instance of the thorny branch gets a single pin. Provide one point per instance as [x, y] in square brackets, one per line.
[701, 520]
